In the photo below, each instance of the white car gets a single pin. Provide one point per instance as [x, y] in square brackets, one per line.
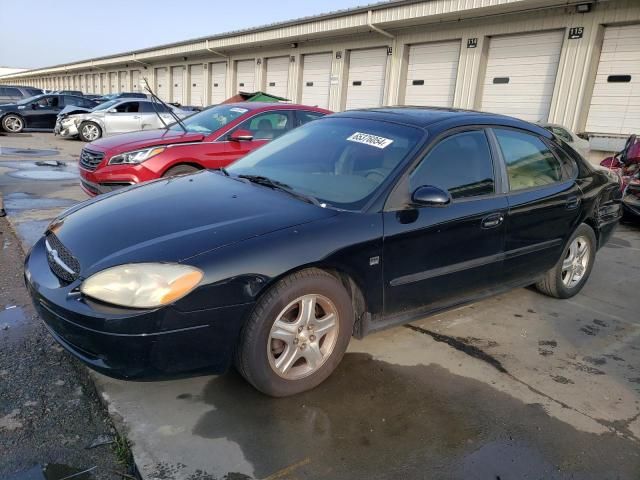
[121, 115]
[580, 145]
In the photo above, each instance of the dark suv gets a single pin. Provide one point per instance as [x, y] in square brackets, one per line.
[12, 94]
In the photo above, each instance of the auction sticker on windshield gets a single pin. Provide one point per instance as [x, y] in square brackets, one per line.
[238, 110]
[368, 139]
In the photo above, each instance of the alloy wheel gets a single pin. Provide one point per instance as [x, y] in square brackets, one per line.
[576, 262]
[90, 132]
[13, 124]
[303, 336]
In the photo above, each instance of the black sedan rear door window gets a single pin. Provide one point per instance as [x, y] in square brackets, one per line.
[530, 162]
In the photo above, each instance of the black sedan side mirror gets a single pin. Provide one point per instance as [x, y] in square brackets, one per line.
[430, 196]
[34, 106]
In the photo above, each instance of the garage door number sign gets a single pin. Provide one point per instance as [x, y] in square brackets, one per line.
[575, 33]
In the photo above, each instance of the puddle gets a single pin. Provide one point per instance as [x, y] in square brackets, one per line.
[43, 174]
[11, 316]
[31, 152]
[373, 419]
[13, 323]
[25, 201]
[54, 471]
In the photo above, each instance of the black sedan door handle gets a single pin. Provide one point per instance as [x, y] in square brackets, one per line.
[573, 202]
[493, 220]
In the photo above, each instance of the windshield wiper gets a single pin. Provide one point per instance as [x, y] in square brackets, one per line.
[223, 171]
[267, 182]
[154, 99]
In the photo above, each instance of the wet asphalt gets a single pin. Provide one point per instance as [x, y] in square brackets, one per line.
[520, 386]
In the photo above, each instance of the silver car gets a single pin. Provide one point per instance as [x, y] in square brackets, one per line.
[115, 116]
[578, 144]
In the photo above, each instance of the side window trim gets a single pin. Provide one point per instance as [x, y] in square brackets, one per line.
[500, 165]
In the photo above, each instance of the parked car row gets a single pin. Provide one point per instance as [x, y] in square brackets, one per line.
[336, 227]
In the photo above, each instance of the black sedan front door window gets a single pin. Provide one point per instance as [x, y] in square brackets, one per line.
[434, 254]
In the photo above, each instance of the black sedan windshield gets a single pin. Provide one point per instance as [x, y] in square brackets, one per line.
[339, 161]
[211, 119]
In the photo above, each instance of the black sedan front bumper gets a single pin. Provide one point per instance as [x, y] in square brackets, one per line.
[132, 344]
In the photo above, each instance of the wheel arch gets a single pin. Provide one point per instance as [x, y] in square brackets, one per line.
[354, 289]
[178, 163]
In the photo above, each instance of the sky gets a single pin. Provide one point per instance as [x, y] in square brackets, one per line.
[40, 33]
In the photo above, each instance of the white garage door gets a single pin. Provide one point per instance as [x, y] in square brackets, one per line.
[88, 84]
[218, 73]
[246, 74]
[615, 104]
[136, 86]
[104, 83]
[196, 85]
[316, 79]
[96, 83]
[124, 81]
[367, 69]
[162, 83]
[521, 74]
[278, 76]
[113, 82]
[177, 84]
[431, 74]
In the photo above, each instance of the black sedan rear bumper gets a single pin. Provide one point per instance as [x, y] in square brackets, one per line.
[133, 344]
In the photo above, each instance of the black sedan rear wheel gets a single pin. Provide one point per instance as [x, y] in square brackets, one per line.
[13, 123]
[571, 272]
[297, 334]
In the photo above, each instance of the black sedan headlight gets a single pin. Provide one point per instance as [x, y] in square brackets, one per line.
[142, 285]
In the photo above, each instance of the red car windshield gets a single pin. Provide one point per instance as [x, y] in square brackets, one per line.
[211, 119]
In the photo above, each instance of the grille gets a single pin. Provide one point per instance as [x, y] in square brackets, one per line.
[59, 257]
[90, 160]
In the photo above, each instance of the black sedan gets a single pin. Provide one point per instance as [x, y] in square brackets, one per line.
[350, 224]
[38, 112]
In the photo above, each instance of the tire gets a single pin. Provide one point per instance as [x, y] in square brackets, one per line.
[89, 131]
[180, 170]
[284, 367]
[559, 282]
[13, 123]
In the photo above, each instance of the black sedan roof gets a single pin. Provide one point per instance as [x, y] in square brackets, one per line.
[425, 117]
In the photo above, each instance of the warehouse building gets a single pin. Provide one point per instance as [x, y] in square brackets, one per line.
[575, 63]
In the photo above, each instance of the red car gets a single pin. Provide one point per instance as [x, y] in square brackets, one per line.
[214, 138]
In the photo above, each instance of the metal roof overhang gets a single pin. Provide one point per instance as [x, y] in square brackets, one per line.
[392, 15]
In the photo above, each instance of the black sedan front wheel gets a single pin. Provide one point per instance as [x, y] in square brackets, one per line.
[297, 334]
[13, 123]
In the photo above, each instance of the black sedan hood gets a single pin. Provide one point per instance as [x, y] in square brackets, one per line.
[173, 219]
